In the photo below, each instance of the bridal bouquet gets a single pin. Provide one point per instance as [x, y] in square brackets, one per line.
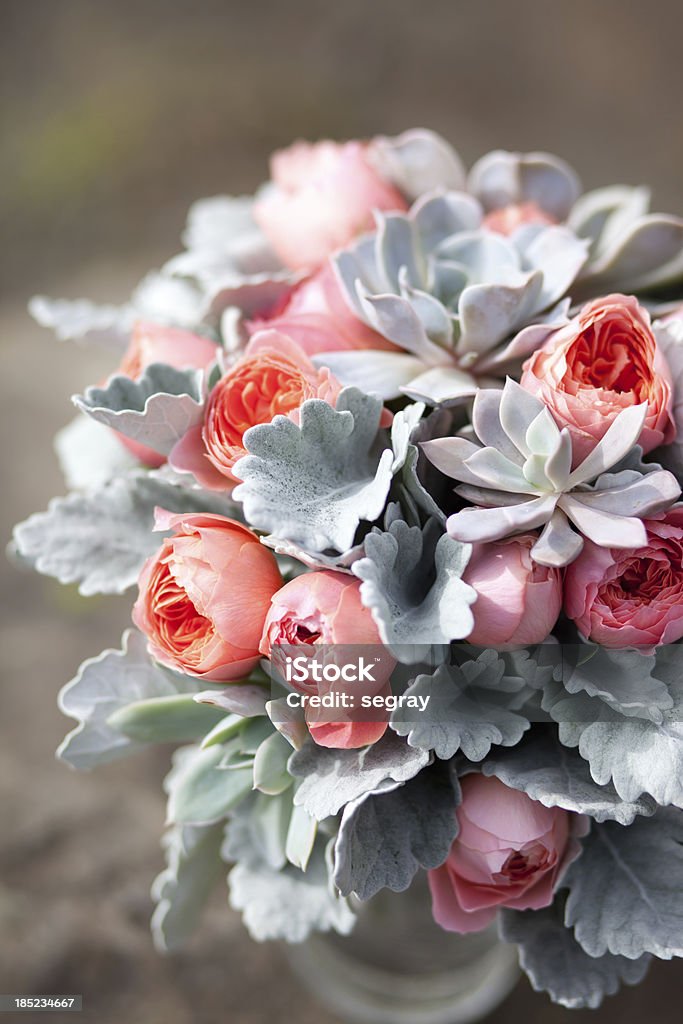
[391, 458]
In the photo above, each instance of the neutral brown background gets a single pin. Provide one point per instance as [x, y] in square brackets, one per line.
[115, 115]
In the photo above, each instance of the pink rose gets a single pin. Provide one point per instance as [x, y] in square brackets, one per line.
[154, 343]
[603, 361]
[321, 196]
[623, 598]
[273, 378]
[518, 600]
[317, 317]
[508, 218]
[320, 610]
[511, 851]
[204, 596]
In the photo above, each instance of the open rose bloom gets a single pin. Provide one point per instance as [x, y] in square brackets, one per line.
[406, 527]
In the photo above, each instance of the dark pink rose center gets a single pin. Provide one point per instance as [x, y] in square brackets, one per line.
[523, 864]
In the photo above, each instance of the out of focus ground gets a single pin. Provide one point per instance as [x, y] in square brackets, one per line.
[116, 115]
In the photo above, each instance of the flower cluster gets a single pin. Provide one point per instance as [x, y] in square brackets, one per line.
[417, 433]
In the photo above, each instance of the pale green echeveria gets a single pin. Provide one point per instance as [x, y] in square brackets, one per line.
[631, 249]
[416, 162]
[450, 294]
[519, 477]
[502, 179]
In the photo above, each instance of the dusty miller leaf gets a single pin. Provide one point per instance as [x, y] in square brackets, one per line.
[104, 685]
[314, 483]
[467, 711]
[412, 584]
[556, 963]
[156, 409]
[625, 888]
[386, 837]
[331, 778]
[558, 777]
[101, 539]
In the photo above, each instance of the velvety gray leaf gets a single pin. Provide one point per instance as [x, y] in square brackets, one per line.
[636, 754]
[556, 963]
[625, 888]
[287, 904]
[101, 539]
[558, 777]
[90, 454]
[330, 778]
[384, 838]
[245, 699]
[80, 319]
[199, 790]
[258, 827]
[183, 887]
[465, 712]
[314, 483]
[105, 685]
[155, 410]
[412, 583]
[622, 679]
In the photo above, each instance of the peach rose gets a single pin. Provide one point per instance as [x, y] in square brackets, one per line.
[203, 597]
[323, 610]
[273, 378]
[320, 197]
[518, 600]
[634, 598]
[154, 343]
[317, 317]
[510, 851]
[605, 359]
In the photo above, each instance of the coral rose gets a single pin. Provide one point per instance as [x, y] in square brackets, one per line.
[203, 597]
[154, 343]
[274, 377]
[318, 318]
[634, 598]
[518, 600]
[321, 196]
[323, 610]
[601, 362]
[510, 852]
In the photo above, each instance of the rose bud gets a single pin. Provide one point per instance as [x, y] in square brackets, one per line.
[154, 343]
[510, 851]
[518, 600]
[601, 362]
[274, 377]
[319, 610]
[621, 598]
[321, 196]
[317, 317]
[203, 597]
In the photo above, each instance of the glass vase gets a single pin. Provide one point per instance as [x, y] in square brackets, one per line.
[398, 967]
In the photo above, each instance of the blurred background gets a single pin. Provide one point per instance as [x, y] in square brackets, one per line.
[115, 116]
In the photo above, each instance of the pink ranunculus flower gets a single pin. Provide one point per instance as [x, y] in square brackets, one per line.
[510, 851]
[318, 318]
[321, 196]
[604, 360]
[518, 600]
[322, 612]
[203, 597]
[155, 343]
[632, 598]
[273, 377]
[508, 218]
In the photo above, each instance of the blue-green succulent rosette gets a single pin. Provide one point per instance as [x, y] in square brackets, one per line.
[391, 407]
